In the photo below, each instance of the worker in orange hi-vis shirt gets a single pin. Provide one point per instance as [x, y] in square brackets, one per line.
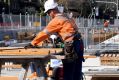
[68, 31]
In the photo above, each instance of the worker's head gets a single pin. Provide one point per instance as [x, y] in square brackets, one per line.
[51, 8]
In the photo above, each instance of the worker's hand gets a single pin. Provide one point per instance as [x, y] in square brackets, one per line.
[30, 46]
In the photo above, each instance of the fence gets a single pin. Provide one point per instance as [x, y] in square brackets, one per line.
[22, 21]
[32, 21]
[95, 38]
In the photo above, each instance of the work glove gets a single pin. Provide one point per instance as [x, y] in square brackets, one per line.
[30, 46]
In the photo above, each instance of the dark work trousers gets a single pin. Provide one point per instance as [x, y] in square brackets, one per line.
[32, 66]
[38, 68]
[73, 69]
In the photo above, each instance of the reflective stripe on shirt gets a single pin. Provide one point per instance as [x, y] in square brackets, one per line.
[46, 31]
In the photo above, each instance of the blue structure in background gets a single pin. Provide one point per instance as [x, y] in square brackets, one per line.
[11, 33]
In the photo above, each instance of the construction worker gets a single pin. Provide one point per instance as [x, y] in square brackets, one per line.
[106, 25]
[67, 30]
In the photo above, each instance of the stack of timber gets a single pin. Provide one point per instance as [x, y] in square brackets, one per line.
[102, 36]
[110, 58]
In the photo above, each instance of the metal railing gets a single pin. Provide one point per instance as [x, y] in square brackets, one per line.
[98, 39]
[22, 21]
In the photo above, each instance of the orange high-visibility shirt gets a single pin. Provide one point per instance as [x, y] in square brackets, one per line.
[59, 24]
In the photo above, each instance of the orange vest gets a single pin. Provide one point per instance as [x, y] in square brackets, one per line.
[60, 24]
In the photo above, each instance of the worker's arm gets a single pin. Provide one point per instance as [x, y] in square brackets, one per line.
[53, 26]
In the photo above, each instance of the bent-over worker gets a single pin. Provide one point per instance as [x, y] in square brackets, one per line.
[67, 30]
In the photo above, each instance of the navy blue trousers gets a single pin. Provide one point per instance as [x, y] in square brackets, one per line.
[38, 68]
[73, 69]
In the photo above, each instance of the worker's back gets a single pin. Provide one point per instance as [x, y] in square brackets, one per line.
[64, 27]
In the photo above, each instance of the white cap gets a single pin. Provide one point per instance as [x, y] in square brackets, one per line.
[50, 4]
[107, 20]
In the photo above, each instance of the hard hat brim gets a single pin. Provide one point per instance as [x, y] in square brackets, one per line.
[45, 11]
[54, 5]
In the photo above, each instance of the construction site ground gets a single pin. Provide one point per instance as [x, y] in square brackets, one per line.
[8, 76]
[12, 74]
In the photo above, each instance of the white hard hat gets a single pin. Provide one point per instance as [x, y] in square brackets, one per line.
[50, 4]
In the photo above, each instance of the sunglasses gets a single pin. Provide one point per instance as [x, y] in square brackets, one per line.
[48, 12]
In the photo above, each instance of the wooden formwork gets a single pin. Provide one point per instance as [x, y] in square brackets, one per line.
[18, 51]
